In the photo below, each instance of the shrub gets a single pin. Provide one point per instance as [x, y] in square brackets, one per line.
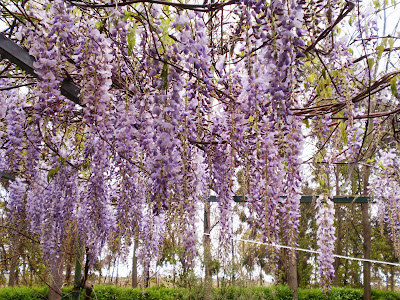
[23, 293]
[384, 295]
[106, 292]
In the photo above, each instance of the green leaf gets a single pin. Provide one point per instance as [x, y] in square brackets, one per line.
[379, 50]
[164, 27]
[393, 86]
[371, 62]
[99, 24]
[127, 16]
[311, 78]
[391, 42]
[250, 119]
[131, 35]
[324, 74]
[328, 91]
[343, 131]
[164, 75]
[321, 182]
[52, 173]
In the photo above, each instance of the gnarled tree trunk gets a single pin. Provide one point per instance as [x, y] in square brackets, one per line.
[56, 279]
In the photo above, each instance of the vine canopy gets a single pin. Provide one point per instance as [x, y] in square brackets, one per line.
[175, 98]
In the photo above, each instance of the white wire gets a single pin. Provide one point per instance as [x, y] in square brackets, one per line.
[315, 252]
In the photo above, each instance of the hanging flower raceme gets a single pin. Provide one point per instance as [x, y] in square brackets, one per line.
[95, 215]
[16, 204]
[168, 107]
[14, 122]
[51, 47]
[325, 240]
[385, 189]
[50, 208]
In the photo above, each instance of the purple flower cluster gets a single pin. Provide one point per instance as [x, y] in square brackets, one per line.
[15, 119]
[164, 115]
[325, 240]
[386, 192]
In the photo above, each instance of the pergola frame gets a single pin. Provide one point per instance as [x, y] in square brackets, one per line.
[20, 57]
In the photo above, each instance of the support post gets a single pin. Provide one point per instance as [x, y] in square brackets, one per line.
[292, 274]
[338, 250]
[338, 217]
[367, 251]
[134, 264]
[207, 252]
[367, 239]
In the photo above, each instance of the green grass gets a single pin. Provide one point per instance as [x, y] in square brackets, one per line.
[104, 292]
[23, 293]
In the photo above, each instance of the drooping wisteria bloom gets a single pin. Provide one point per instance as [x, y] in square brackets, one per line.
[172, 102]
[325, 240]
[385, 189]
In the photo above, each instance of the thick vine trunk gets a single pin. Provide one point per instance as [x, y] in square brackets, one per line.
[13, 270]
[68, 270]
[147, 277]
[76, 292]
[56, 279]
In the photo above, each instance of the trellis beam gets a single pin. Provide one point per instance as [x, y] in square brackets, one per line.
[20, 57]
[6, 175]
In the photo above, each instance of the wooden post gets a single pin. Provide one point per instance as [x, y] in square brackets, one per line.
[338, 216]
[367, 239]
[392, 278]
[134, 264]
[292, 273]
[338, 250]
[207, 252]
[367, 251]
